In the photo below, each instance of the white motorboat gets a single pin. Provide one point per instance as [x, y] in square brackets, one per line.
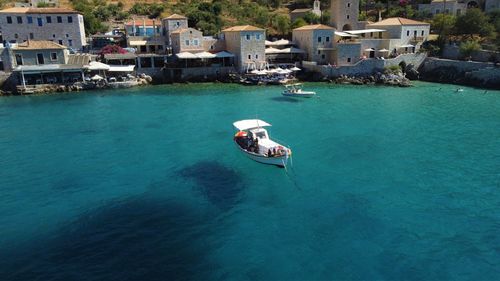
[295, 90]
[253, 140]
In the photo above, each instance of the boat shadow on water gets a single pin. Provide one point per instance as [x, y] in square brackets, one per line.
[285, 99]
[219, 184]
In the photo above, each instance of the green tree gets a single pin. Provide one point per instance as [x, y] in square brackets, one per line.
[468, 47]
[282, 24]
[443, 25]
[474, 21]
[311, 18]
[298, 23]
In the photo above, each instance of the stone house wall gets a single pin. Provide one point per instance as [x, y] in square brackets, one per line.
[65, 33]
[188, 40]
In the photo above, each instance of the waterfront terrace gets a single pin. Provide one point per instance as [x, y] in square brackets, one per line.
[63, 26]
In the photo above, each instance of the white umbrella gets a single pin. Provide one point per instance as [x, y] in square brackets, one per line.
[295, 69]
[383, 50]
[95, 65]
[205, 55]
[96, 78]
[255, 71]
[369, 50]
[261, 72]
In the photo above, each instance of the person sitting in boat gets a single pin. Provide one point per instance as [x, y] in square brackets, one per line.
[274, 151]
[269, 153]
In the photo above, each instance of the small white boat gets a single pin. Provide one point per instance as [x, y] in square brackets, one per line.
[295, 90]
[253, 140]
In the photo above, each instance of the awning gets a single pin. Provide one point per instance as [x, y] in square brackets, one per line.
[186, 55]
[48, 68]
[406, 46]
[95, 65]
[137, 43]
[121, 68]
[280, 42]
[205, 55]
[224, 54]
[362, 31]
[292, 50]
[272, 50]
[343, 34]
[250, 124]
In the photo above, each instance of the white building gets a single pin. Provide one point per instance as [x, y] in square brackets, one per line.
[452, 7]
[62, 26]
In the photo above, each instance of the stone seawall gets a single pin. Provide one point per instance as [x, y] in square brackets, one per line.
[366, 67]
[478, 74]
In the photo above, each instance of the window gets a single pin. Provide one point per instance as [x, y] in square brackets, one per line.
[30, 20]
[39, 21]
[59, 19]
[9, 20]
[70, 19]
[248, 37]
[160, 47]
[67, 35]
[32, 36]
[459, 12]
[178, 24]
[348, 59]
[39, 59]
[319, 39]
[249, 57]
[53, 36]
[257, 36]
[437, 11]
[323, 56]
[422, 33]
[70, 43]
[49, 19]
[187, 42]
[19, 59]
[319, 52]
[414, 33]
[256, 56]
[19, 20]
[407, 33]
[53, 56]
[60, 42]
[347, 16]
[16, 36]
[195, 42]
[327, 39]
[348, 5]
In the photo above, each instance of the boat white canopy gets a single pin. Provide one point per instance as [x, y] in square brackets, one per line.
[250, 124]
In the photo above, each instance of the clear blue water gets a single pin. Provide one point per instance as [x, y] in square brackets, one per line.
[146, 184]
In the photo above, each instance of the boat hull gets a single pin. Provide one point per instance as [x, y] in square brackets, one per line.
[279, 161]
[301, 95]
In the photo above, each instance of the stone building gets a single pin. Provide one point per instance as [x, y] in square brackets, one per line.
[317, 42]
[186, 40]
[299, 13]
[145, 35]
[63, 26]
[344, 14]
[247, 44]
[172, 23]
[453, 7]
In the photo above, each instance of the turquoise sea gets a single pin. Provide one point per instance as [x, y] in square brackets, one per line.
[146, 184]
